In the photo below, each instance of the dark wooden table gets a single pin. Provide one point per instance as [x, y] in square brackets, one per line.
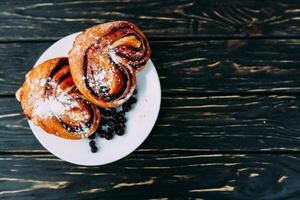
[229, 126]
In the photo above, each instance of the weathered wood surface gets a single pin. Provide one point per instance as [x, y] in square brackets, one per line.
[144, 176]
[188, 123]
[230, 80]
[40, 19]
[191, 67]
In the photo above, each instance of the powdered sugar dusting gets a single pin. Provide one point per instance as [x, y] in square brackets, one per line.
[43, 82]
[54, 105]
[41, 109]
[59, 106]
[100, 77]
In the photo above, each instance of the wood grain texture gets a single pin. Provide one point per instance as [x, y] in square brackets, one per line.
[40, 19]
[199, 123]
[191, 67]
[230, 80]
[143, 176]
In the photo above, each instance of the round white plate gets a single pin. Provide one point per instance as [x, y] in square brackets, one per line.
[140, 120]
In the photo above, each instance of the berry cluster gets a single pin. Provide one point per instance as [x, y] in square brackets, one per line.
[113, 122]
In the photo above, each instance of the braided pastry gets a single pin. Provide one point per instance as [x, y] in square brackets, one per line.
[51, 100]
[104, 61]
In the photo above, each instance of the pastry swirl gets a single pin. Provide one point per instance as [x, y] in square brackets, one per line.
[51, 100]
[104, 61]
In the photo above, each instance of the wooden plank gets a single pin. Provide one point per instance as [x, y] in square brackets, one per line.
[191, 67]
[40, 19]
[144, 176]
[193, 123]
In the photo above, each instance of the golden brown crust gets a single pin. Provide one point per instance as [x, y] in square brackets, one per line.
[50, 99]
[104, 61]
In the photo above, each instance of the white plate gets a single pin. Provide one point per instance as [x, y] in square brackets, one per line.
[141, 119]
